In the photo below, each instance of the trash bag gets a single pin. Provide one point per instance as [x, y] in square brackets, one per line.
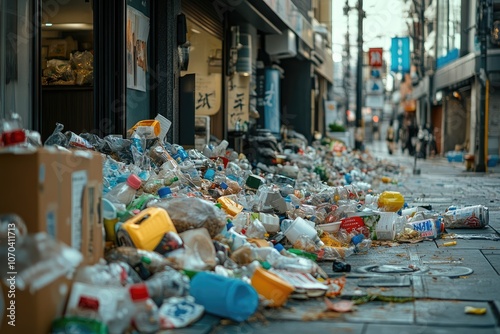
[190, 213]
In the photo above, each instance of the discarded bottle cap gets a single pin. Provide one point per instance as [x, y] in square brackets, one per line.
[134, 181]
[164, 192]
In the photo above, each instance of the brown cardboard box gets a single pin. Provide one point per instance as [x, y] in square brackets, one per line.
[57, 192]
[34, 312]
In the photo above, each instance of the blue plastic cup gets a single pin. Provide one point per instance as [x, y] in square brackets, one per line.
[223, 296]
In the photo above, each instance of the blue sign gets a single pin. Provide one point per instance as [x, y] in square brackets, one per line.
[271, 100]
[400, 54]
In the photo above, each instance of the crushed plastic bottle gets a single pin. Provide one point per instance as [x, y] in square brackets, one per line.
[146, 318]
[166, 284]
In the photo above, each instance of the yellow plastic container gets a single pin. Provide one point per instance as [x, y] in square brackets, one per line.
[148, 228]
[271, 287]
[390, 201]
[148, 122]
[231, 207]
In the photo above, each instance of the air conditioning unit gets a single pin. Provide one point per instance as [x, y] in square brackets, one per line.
[282, 46]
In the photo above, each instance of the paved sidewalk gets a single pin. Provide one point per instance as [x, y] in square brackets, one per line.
[451, 278]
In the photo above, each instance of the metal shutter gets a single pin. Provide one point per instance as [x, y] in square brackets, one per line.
[207, 13]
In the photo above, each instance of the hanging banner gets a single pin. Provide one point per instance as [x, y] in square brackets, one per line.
[400, 54]
[238, 101]
[271, 100]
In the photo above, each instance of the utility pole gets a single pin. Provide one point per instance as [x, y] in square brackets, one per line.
[358, 142]
[347, 63]
[484, 11]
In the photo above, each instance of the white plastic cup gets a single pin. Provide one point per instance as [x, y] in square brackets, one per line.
[300, 227]
[386, 226]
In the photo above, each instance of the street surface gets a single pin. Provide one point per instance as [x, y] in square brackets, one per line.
[430, 301]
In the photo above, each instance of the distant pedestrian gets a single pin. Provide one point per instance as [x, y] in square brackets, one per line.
[390, 137]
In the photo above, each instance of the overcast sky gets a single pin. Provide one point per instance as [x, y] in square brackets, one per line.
[384, 20]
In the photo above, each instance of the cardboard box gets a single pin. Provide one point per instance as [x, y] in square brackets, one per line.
[34, 312]
[57, 192]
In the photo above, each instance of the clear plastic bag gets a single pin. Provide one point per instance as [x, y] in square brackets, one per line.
[191, 212]
[57, 137]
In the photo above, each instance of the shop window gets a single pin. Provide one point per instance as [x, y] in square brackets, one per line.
[67, 43]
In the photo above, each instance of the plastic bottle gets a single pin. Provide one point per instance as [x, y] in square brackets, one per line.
[11, 131]
[390, 201]
[88, 308]
[166, 284]
[124, 192]
[283, 251]
[146, 318]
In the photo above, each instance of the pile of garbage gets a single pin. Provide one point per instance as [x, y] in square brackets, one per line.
[189, 232]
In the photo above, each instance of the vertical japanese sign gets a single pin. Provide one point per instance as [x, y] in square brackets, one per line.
[207, 94]
[375, 57]
[238, 101]
[271, 100]
[137, 49]
[400, 54]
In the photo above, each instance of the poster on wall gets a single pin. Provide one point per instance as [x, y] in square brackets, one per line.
[238, 102]
[137, 49]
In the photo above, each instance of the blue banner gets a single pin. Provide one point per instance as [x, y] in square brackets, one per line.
[400, 54]
[271, 100]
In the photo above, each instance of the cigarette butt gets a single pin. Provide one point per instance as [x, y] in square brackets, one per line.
[475, 310]
[450, 243]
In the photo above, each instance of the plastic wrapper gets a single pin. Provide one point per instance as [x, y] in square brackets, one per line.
[75, 141]
[82, 60]
[179, 312]
[190, 213]
[334, 253]
[145, 263]
[59, 72]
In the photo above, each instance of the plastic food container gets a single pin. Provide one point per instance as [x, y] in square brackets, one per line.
[271, 287]
[330, 227]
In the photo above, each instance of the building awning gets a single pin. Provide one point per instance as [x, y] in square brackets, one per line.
[245, 11]
[421, 90]
[465, 68]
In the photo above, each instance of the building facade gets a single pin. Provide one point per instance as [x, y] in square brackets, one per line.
[222, 65]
